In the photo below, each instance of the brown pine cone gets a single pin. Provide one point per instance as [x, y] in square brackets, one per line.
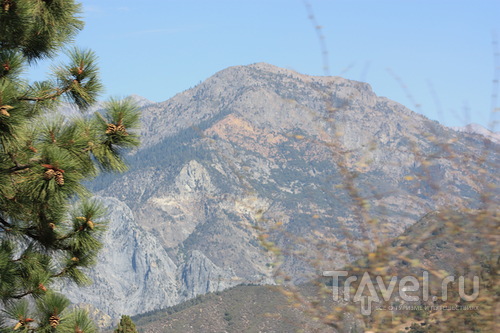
[111, 129]
[54, 321]
[4, 110]
[59, 178]
[49, 174]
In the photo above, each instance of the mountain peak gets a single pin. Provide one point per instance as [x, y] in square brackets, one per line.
[269, 67]
[263, 67]
[141, 101]
[478, 129]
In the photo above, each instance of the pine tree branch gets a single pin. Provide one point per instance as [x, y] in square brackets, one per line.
[67, 236]
[22, 295]
[4, 224]
[20, 167]
[13, 158]
[17, 166]
[60, 274]
[5, 228]
[56, 94]
[64, 271]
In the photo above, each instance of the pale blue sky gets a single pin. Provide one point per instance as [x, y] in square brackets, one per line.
[441, 49]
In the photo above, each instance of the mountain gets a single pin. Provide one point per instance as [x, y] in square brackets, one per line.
[431, 241]
[238, 309]
[259, 166]
[478, 129]
[141, 101]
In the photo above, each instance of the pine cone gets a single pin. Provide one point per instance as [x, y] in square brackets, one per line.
[59, 178]
[54, 321]
[49, 174]
[4, 110]
[111, 129]
[90, 224]
[6, 5]
[121, 129]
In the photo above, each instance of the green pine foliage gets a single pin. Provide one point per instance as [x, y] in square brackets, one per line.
[50, 228]
[126, 325]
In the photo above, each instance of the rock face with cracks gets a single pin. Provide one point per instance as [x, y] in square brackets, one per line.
[257, 148]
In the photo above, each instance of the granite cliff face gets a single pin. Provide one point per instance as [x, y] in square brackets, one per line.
[262, 147]
[132, 266]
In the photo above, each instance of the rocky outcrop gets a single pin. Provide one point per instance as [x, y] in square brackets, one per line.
[200, 276]
[134, 272]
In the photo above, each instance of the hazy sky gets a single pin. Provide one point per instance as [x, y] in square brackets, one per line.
[442, 50]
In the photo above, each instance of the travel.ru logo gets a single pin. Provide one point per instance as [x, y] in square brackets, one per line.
[407, 287]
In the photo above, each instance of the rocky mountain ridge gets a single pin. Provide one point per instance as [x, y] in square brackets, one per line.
[244, 308]
[258, 148]
[478, 129]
